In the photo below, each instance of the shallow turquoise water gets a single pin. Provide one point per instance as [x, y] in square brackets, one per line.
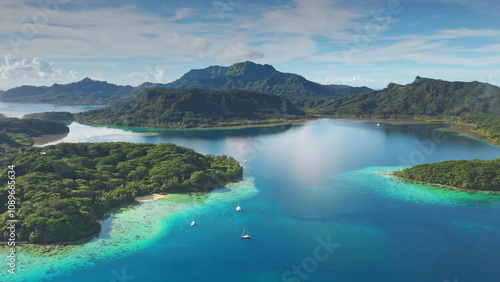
[318, 202]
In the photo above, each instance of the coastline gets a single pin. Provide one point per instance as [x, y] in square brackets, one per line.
[47, 138]
[221, 127]
[444, 187]
[465, 129]
[128, 229]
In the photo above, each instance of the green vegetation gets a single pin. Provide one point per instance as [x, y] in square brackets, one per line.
[475, 174]
[261, 78]
[486, 124]
[61, 116]
[62, 190]
[16, 132]
[188, 108]
[84, 92]
[246, 76]
[15, 139]
[424, 99]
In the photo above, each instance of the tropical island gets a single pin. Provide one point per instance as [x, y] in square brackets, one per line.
[470, 175]
[195, 108]
[63, 190]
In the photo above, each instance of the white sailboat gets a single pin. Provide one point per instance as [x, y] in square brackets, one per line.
[238, 208]
[245, 235]
[193, 223]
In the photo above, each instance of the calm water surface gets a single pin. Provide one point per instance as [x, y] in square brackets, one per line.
[318, 203]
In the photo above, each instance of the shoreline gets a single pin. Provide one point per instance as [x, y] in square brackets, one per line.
[465, 129]
[444, 187]
[44, 139]
[139, 199]
[131, 229]
[228, 127]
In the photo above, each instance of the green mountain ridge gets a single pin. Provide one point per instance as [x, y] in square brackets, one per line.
[86, 91]
[246, 76]
[261, 78]
[424, 99]
[188, 108]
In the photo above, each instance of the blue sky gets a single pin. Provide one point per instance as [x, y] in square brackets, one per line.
[369, 43]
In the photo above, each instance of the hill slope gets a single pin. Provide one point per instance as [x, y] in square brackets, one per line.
[86, 91]
[16, 132]
[187, 108]
[246, 75]
[471, 102]
[423, 97]
[260, 78]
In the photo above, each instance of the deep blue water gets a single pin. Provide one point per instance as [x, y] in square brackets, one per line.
[322, 213]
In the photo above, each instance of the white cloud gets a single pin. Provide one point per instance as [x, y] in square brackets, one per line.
[182, 14]
[286, 48]
[484, 6]
[238, 52]
[35, 69]
[312, 17]
[354, 80]
[104, 32]
[436, 48]
[157, 75]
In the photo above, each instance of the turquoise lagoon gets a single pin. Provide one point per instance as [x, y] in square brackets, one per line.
[318, 200]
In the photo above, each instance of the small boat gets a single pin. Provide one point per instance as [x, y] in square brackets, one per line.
[378, 124]
[245, 235]
[245, 161]
[193, 223]
[238, 208]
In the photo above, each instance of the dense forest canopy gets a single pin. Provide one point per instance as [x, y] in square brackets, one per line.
[16, 132]
[62, 190]
[188, 108]
[60, 116]
[474, 174]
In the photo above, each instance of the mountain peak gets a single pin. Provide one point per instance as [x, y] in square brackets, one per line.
[420, 80]
[90, 80]
[248, 68]
[260, 78]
